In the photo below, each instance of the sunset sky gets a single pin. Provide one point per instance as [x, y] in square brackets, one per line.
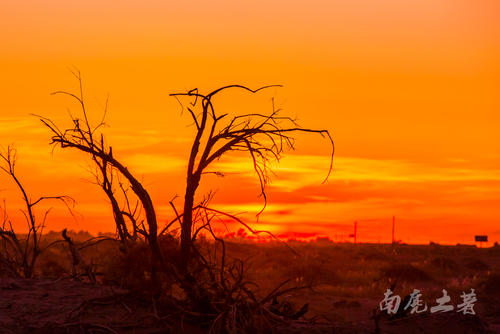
[409, 90]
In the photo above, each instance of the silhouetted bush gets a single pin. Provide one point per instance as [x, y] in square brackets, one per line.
[477, 265]
[132, 269]
[406, 273]
[491, 286]
[444, 263]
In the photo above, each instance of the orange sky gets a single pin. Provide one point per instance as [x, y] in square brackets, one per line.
[409, 90]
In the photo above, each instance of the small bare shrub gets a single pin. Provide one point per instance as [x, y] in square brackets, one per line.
[405, 273]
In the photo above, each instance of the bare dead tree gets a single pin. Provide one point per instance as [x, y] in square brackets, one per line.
[88, 138]
[26, 251]
[105, 176]
[215, 285]
[264, 136]
[79, 266]
[12, 257]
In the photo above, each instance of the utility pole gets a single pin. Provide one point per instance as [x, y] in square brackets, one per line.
[393, 226]
[355, 230]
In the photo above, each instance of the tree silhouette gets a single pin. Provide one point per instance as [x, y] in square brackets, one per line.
[214, 286]
[87, 138]
[263, 136]
[22, 254]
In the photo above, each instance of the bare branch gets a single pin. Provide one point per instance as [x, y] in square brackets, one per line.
[263, 136]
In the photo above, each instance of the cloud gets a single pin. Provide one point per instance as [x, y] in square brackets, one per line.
[10, 125]
[155, 163]
[297, 171]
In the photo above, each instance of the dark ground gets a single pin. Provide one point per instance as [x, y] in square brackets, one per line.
[348, 283]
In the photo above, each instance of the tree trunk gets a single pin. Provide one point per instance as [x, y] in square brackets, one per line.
[157, 260]
[119, 219]
[187, 220]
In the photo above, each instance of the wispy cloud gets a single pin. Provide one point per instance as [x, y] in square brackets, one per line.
[297, 171]
[20, 126]
[155, 163]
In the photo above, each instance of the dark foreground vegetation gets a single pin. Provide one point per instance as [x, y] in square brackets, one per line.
[342, 287]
